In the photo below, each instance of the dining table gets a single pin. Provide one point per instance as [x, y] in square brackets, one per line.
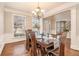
[46, 43]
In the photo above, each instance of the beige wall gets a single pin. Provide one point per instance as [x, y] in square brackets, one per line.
[77, 19]
[52, 24]
[28, 22]
[8, 30]
[1, 28]
[1, 20]
[8, 21]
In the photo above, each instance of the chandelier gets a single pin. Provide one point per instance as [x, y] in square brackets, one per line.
[38, 12]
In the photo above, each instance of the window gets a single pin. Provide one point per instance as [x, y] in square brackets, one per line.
[19, 25]
[61, 25]
[36, 25]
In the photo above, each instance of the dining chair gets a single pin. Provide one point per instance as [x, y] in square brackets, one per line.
[56, 41]
[31, 44]
[62, 45]
[28, 42]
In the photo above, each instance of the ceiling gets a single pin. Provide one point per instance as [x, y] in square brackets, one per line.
[30, 6]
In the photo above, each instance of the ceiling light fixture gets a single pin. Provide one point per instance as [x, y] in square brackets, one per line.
[38, 12]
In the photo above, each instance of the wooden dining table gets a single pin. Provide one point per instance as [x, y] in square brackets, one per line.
[45, 45]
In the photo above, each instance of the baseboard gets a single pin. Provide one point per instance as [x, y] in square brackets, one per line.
[14, 40]
[9, 38]
[75, 47]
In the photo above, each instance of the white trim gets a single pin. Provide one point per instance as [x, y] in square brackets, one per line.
[73, 28]
[8, 38]
[74, 47]
[59, 9]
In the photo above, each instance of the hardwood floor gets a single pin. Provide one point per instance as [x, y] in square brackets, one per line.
[14, 49]
[18, 49]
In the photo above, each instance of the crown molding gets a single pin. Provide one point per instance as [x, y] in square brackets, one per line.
[54, 11]
[59, 9]
[16, 11]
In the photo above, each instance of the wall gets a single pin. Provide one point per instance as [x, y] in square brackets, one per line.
[62, 16]
[77, 22]
[8, 21]
[1, 27]
[75, 27]
[1, 20]
[52, 24]
[8, 30]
